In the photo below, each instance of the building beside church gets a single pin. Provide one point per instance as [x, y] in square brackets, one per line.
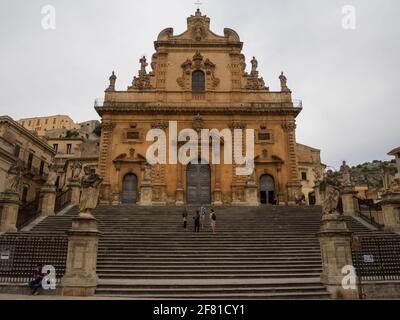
[41, 125]
[19, 146]
[201, 80]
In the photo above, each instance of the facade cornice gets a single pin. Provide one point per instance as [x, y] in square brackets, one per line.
[264, 109]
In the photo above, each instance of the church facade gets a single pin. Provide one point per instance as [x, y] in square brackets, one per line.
[200, 80]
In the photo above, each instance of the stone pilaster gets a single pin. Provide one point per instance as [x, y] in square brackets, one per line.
[217, 194]
[391, 211]
[294, 184]
[9, 206]
[104, 165]
[335, 242]
[349, 203]
[80, 277]
[49, 193]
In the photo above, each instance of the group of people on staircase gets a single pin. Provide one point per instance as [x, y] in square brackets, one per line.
[200, 219]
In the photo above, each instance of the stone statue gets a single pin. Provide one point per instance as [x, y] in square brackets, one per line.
[90, 186]
[76, 171]
[254, 66]
[283, 80]
[14, 178]
[331, 200]
[113, 79]
[345, 171]
[147, 172]
[52, 176]
[143, 65]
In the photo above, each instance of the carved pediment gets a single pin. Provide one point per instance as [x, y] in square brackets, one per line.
[194, 64]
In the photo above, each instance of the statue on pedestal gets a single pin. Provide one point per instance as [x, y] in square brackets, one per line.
[345, 172]
[76, 171]
[90, 185]
[52, 177]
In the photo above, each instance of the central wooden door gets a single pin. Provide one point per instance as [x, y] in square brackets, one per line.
[129, 189]
[198, 183]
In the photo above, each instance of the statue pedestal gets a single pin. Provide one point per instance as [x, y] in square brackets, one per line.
[116, 199]
[9, 206]
[146, 194]
[179, 201]
[335, 242]
[391, 211]
[80, 277]
[217, 197]
[349, 203]
[48, 200]
[75, 187]
[294, 190]
[250, 193]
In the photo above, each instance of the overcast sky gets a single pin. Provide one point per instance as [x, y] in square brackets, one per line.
[348, 79]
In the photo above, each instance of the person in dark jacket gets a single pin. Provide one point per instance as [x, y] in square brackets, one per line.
[197, 221]
[36, 284]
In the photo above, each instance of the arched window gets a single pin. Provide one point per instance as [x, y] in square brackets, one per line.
[198, 81]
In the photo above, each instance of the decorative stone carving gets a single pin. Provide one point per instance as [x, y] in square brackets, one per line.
[90, 185]
[113, 79]
[198, 123]
[163, 125]
[289, 126]
[283, 79]
[14, 178]
[198, 63]
[143, 80]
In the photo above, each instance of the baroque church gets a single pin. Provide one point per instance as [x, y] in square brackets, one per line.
[199, 79]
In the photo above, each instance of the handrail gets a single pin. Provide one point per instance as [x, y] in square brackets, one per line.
[63, 199]
[371, 207]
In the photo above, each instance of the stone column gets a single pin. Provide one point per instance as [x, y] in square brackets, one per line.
[335, 242]
[80, 277]
[49, 193]
[9, 206]
[349, 203]
[391, 211]
[75, 187]
[179, 196]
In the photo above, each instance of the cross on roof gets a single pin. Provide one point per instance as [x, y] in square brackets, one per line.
[198, 3]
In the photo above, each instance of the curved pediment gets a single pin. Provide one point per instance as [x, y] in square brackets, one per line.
[198, 30]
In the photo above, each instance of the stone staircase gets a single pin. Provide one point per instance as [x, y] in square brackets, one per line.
[263, 252]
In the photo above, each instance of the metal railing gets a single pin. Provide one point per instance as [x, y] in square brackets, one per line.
[27, 212]
[376, 258]
[62, 200]
[21, 254]
[367, 209]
